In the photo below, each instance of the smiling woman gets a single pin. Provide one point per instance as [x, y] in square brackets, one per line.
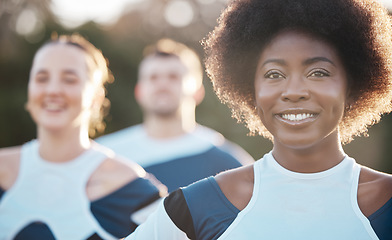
[49, 110]
[63, 185]
[79, 79]
[300, 91]
[309, 76]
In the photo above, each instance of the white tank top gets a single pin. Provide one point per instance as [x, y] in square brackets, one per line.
[291, 205]
[52, 193]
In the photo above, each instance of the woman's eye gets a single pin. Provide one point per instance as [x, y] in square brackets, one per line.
[41, 78]
[319, 73]
[70, 79]
[273, 75]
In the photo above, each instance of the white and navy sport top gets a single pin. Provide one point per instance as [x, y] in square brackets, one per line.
[284, 205]
[49, 201]
[179, 161]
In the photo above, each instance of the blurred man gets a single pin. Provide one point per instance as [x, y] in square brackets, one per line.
[169, 143]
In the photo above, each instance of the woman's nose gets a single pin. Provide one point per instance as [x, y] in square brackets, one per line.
[53, 87]
[295, 90]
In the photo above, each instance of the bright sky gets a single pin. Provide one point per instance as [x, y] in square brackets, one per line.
[75, 12]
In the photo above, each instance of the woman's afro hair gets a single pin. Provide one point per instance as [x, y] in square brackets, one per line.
[360, 30]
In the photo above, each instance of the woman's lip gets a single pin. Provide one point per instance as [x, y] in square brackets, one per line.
[297, 111]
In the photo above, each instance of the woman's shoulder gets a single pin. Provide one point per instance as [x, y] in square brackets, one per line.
[9, 166]
[207, 207]
[122, 168]
[10, 153]
[374, 190]
[113, 173]
[237, 185]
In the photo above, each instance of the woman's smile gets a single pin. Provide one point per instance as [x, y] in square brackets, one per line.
[300, 89]
[297, 117]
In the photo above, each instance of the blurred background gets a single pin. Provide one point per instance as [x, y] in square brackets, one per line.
[121, 29]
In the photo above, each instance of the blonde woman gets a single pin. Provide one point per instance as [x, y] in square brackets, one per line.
[63, 185]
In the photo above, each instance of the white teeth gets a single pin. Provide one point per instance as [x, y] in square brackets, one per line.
[297, 117]
[53, 106]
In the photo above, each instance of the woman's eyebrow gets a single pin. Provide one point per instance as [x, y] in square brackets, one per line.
[69, 71]
[41, 71]
[274, 60]
[306, 62]
[317, 59]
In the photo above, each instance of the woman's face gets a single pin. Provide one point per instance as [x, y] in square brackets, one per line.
[59, 91]
[300, 88]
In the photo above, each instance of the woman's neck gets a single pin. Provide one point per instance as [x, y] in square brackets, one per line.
[317, 158]
[62, 146]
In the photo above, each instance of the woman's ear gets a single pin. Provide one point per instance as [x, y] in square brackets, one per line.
[99, 98]
[349, 100]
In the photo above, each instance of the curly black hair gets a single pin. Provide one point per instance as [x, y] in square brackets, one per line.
[360, 30]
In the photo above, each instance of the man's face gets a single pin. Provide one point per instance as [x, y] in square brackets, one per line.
[160, 89]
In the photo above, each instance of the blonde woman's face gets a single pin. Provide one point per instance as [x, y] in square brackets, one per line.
[59, 91]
